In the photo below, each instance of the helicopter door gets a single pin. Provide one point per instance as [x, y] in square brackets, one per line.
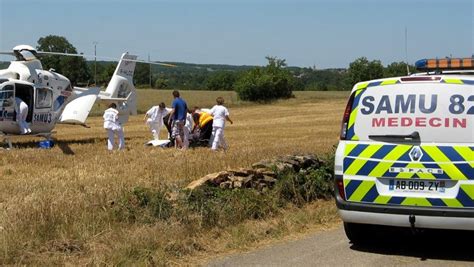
[25, 93]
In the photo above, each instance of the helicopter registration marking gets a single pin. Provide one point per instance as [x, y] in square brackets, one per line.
[43, 118]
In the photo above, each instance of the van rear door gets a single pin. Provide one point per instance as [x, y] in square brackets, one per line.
[410, 142]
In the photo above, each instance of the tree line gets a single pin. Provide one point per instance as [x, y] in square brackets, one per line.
[250, 82]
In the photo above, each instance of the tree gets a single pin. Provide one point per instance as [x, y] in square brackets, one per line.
[221, 80]
[161, 83]
[266, 84]
[363, 70]
[142, 74]
[74, 68]
[396, 69]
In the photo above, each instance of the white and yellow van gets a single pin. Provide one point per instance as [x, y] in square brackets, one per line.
[406, 151]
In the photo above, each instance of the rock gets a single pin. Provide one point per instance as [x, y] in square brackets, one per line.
[269, 180]
[263, 174]
[226, 185]
[240, 181]
[283, 167]
[218, 178]
[213, 178]
[242, 172]
[264, 164]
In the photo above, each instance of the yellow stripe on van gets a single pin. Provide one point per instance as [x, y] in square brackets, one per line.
[362, 86]
[467, 154]
[388, 82]
[352, 117]
[453, 81]
[452, 202]
[358, 92]
[415, 201]
[444, 162]
[469, 189]
[382, 199]
[388, 160]
[349, 148]
[346, 182]
[357, 164]
[361, 191]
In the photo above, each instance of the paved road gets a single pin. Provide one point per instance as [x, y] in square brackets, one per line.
[392, 248]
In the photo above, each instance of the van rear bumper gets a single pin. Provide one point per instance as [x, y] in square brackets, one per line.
[399, 220]
[425, 217]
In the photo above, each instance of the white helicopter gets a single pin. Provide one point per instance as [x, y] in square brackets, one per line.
[50, 97]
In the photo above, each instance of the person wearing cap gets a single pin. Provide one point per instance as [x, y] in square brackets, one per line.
[154, 119]
[220, 115]
[113, 127]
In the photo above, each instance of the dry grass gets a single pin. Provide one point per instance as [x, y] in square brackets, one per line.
[55, 204]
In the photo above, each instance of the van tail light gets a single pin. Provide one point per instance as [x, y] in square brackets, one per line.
[340, 187]
[347, 115]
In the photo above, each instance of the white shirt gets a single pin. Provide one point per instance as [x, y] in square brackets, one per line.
[189, 122]
[156, 115]
[219, 112]
[111, 119]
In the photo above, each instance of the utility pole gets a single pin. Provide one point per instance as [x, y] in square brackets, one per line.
[149, 69]
[406, 50]
[95, 62]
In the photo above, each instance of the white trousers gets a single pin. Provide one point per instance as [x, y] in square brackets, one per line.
[217, 138]
[111, 139]
[155, 127]
[21, 119]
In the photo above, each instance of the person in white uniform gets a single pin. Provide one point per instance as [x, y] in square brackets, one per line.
[113, 127]
[154, 119]
[188, 128]
[21, 109]
[220, 114]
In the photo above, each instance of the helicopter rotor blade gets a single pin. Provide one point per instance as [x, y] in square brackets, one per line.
[40, 53]
[151, 62]
[106, 58]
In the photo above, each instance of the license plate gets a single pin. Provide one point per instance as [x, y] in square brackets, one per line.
[400, 185]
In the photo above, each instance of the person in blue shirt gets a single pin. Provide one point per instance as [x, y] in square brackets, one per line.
[178, 116]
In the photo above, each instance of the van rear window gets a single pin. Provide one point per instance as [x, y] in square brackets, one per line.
[438, 112]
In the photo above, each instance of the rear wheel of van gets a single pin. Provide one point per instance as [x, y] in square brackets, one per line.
[357, 233]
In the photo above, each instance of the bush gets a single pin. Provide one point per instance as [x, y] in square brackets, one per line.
[221, 80]
[143, 205]
[265, 84]
[304, 187]
[213, 206]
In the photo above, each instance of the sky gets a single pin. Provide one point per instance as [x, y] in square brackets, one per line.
[324, 34]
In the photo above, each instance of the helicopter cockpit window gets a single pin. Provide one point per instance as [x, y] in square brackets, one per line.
[44, 98]
[6, 96]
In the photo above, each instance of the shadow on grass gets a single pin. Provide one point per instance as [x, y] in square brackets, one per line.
[62, 144]
[426, 244]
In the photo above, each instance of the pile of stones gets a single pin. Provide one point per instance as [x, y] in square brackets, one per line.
[261, 176]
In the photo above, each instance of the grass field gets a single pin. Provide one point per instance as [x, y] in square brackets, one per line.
[55, 204]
